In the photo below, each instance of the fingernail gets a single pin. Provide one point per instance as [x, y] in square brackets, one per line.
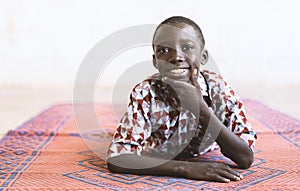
[195, 71]
[227, 180]
[241, 176]
[237, 178]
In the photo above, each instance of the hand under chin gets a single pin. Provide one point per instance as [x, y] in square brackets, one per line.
[182, 79]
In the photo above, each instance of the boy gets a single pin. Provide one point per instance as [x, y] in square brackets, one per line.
[181, 113]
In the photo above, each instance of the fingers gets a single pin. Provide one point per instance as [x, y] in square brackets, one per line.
[233, 172]
[218, 178]
[228, 174]
[194, 78]
[176, 83]
[170, 82]
[223, 176]
[182, 89]
[212, 171]
[223, 173]
[194, 73]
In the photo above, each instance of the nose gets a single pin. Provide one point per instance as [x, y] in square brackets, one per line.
[176, 57]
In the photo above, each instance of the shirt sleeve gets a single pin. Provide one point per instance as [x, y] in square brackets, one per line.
[236, 118]
[134, 127]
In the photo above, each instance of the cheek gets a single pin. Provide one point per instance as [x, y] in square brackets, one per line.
[161, 68]
[195, 62]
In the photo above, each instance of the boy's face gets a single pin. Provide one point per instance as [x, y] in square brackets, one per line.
[177, 49]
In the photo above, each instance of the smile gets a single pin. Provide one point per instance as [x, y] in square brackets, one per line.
[179, 71]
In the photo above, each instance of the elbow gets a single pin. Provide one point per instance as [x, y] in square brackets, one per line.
[246, 161]
[243, 160]
[113, 168]
[117, 165]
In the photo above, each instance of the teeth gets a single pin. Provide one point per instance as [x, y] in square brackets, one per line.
[178, 71]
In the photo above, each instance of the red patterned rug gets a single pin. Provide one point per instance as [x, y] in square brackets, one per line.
[48, 153]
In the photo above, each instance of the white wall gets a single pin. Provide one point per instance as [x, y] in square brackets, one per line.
[44, 42]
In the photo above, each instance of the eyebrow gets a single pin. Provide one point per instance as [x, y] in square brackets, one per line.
[167, 43]
[161, 43]
[188, 40]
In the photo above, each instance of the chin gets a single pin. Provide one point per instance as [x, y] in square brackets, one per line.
[183, 79]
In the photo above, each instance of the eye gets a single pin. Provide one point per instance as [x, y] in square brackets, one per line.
[188, 47]
[163, 50]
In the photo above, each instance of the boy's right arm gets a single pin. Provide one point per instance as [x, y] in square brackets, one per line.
[144, 165]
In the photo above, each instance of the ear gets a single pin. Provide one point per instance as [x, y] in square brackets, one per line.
[204, 57]
[154, 62]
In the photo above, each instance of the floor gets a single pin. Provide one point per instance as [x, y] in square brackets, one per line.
[20, 103]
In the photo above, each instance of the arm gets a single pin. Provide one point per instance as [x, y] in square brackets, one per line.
[232, 146]
[126, 154]
[143, 165]
[237, 124]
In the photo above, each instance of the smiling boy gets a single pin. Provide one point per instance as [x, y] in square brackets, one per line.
[179, 113]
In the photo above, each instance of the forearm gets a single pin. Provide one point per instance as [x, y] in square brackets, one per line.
[143, 165]
[231, 145]
[234, 147]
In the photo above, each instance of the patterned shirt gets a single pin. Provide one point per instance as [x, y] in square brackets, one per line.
[150, 125]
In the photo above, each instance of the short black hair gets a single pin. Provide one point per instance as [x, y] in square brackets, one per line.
[181, 19]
